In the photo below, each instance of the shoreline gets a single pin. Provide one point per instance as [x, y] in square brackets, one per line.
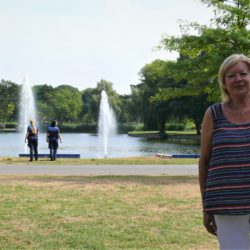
[177, 138]
[150, 160]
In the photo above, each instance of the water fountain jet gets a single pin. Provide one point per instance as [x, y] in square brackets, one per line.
[27, 107]
[106, 123]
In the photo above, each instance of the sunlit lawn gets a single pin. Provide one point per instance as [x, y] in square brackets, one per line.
[109, 212]
[95, 161]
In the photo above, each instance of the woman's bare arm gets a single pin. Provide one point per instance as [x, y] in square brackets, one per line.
[205, 153]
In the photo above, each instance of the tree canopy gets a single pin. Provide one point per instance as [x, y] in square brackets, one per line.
[9, 99]
[202, 49]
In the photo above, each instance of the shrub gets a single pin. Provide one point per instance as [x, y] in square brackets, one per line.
[129, 126]
[175, 127]
[80, 128]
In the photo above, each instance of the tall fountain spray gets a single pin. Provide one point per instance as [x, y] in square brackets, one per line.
[107, 122]
[27, 107]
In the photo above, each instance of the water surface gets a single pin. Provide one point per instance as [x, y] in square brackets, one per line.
[90, 146]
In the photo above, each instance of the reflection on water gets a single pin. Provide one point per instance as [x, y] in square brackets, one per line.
[89, 146]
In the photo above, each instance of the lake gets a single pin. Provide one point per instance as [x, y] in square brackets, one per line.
[90, 146]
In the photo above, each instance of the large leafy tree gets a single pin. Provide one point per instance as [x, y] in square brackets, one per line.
[44, 102]
[153, 77]
[9, 99]
[62, 103]
[67, 103]
[137, 100]
[113, 97]
[202, 49]
[90, 108]
[91, 98]
[128, 110]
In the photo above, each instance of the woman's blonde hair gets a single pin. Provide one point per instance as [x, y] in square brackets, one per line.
[228, 63]
[33, 126]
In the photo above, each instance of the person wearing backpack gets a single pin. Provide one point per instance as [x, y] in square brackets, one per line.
[32, 138]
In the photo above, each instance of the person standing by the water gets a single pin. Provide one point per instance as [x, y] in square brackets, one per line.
[32, 137]
[53, 135]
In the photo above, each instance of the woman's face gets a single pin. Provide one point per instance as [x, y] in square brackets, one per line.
[237, 80]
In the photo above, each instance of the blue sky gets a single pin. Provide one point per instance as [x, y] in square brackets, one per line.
[80, 42]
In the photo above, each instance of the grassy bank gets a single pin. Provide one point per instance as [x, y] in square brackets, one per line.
[188, 137]
[186, 132]
[95, 161]
[130, 212]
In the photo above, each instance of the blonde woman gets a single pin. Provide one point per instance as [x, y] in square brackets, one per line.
[224, 166]
[32, 137]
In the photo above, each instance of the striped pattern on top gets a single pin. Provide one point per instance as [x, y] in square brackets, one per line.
[227, 188]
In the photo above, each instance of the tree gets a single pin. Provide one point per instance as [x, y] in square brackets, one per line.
[113, 97]
[202, 53]
[67, 103]
[192, 108]
[44, 102]
[128, 110]
[137, 100]
[90, 106]
[91, 98]
[154, 76]
[9, 99]
[62, 103]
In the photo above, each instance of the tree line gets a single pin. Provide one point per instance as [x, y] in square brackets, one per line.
[65, 103]
[175, 91]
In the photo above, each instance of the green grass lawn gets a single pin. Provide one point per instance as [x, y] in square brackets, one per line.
[109, 212]
[95, 161]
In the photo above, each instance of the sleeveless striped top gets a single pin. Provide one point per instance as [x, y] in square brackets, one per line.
[227, 188]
